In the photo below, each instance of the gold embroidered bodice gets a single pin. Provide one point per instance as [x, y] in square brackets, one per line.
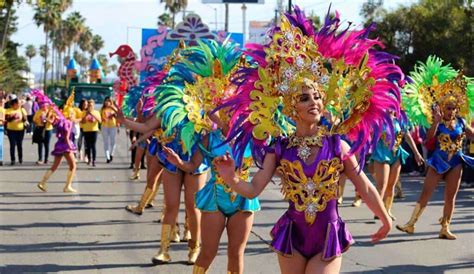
[310, 195]
[398, 141]
[448, 145]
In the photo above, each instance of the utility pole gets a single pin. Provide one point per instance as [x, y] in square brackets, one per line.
[226, 22]
[244, 19]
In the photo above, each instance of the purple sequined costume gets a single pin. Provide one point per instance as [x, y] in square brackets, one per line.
[311, 224]
[63, 127]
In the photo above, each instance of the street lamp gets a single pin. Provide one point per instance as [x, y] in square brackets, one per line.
[215, 15]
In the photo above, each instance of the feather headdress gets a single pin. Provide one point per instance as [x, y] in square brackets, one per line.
[358, 84]
[436, 84]
[195, 85]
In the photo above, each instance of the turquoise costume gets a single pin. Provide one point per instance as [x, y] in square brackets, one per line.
[156, 148]
[383, 153]
[216, 195]
[448, 152]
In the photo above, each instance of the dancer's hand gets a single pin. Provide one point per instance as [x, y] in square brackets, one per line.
[382, 232]
[437, 114]
[172, 156]
[225, 166]
[419, 159]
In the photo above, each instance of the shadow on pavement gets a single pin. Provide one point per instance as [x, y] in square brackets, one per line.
[419, 268]
[67, 225]
[57, 268]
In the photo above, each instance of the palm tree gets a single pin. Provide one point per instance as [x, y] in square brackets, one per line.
[47, 14]
[57, 38]
[81, 60]
[113, 68]
[8, 4]
[43, 52]
[85, 40]
[104, 63]
[75, 24]
[174, 6]
[165, 20]
[30, 52]
[97, 44]
[61, 43]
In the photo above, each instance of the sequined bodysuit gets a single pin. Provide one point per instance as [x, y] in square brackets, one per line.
[311, 224]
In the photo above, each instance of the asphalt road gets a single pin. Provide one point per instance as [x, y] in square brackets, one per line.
[90, 232]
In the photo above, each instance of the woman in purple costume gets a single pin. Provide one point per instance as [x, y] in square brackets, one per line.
[299, 76]
[64, 146]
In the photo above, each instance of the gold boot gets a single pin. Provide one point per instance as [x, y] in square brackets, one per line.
[42, 184]
[135, 175]
[388, 202]
[193, 251]
[175, 238]
[187, 232]
[232, 272]
[151, 198]
[341, 192]
[163, 257]
[138, 209]
[68, 187]
[398, 190]
[410, 226]
[357, 200]
[444, 233]
[199, 270]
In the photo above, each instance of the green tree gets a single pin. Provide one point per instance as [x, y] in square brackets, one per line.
[165, 20]
[442, 27]
[75, 25]
[43, 52]
[104, 63]
[315, 19]
[97, 44]
[85, 40]
[10, 79]
[30, 52]
[113, 68]
[61, 43]
[48, 15]
[174, 7]
[11, 64]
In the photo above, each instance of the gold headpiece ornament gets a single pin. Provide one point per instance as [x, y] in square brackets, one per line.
[204, 95]
[296, 62]
[453, 91]
[69, 105]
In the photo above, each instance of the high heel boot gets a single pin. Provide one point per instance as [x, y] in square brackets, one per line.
[193, 251]
[68, 187]
[138, 209]
[444, 233]
[187, 232]
[410, 226]
[199, 270]
[163, 257]
[388, 202]
[42, 183]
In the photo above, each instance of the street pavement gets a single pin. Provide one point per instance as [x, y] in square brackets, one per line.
[90, 232]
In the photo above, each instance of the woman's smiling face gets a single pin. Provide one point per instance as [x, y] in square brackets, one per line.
[309, 107]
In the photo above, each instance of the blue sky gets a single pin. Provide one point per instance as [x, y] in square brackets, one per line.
[114, 19]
